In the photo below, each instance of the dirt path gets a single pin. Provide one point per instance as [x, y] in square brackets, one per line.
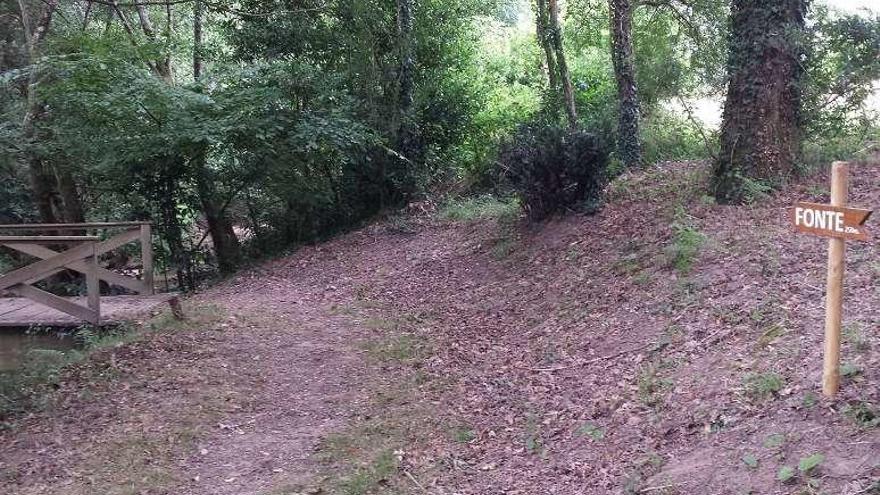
[234, 405]
[310, 383]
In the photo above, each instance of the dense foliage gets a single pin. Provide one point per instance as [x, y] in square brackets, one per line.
[242, 128]
[555, 170]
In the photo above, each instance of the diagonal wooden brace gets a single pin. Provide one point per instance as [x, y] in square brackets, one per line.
[91, 315]
[108, 276]
[43, 268]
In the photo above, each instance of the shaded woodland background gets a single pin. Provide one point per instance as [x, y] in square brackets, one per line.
[246, 128]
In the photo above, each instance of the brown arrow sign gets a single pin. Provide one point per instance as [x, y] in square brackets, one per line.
[831, 221]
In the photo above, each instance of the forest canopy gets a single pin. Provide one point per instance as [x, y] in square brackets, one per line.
[242, 128]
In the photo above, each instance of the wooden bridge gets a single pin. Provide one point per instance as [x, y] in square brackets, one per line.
[32, 306]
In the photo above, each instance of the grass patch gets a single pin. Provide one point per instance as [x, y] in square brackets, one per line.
[761, 387]
[463, 434]
[503, 248]
[365, 458]
[361, 460]
[591, 430]
[136, 463]
[685, 247]
[400, 348]
[31, 386]
[770, 334]
[639, 473]
[774, 441]
[850, 370]
[381, 323]
[863, 413]
[627, 265]
[854, 335]
[810, 400]
[480, 208]
[651, 385]
[532, 435]
[371, 477]
[805, 468]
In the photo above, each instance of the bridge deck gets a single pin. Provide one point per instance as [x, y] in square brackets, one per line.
[21, 312]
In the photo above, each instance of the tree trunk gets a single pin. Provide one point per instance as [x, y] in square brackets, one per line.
[162, 66]
[72, 208]
[760, 133]
[43, 187]
[198, 59]
[542, 23]
[42, 181]
[629, 143]
[564, 76]
[406, 127]
[173, 231]
[226, 245]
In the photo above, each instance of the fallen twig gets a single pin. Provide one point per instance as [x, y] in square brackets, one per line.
[415, 481]
[661, 487]
[591, 361]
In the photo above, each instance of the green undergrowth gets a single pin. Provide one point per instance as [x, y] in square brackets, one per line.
[764, 386]
[33, 385]
[659, 184]
[364, 459]
[687, 242]
[398, 348]
[480, 208]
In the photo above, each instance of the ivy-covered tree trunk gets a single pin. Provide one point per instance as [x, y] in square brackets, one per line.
[564, 75]
[167, 187]
[760, 133]
[227, 248]
[226, 245]
[629, 143]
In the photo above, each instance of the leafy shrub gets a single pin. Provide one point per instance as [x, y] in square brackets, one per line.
[554, 170]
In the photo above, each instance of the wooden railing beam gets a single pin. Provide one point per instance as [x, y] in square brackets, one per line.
[47, 239]
[70, 226]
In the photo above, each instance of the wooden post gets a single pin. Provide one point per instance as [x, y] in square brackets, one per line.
[834, 292]
[147, 258]
[93, 285]
[176, 309]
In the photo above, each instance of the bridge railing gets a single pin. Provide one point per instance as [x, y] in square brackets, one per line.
[82, 256]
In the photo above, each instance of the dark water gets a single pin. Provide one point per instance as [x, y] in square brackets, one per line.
[15, 344]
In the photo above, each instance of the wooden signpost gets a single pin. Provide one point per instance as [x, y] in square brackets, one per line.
[839, 223]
